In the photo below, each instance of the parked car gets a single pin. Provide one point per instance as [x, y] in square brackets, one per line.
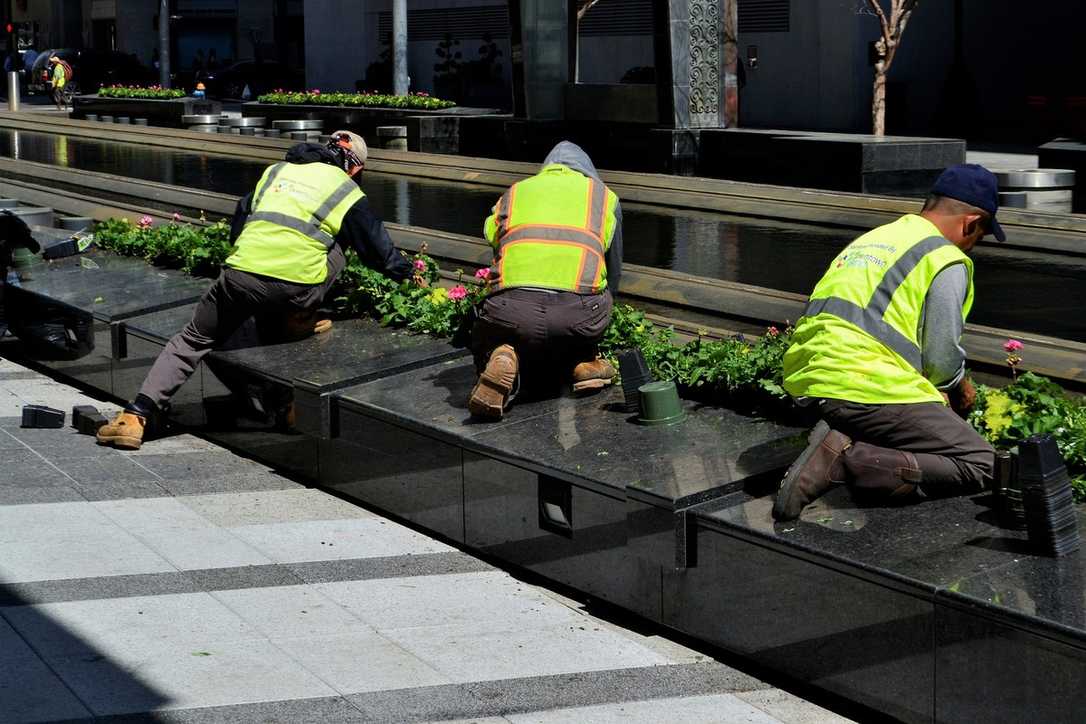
[260, 77]
[90, 70]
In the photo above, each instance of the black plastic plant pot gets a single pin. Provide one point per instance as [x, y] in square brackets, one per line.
[635, 373]
[660, 404]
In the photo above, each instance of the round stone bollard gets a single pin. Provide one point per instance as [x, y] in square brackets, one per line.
[310, 136]
[248, 131]
[222, 129]
[204, 128]
[125, 120]
[105, 119]
[248, 122]
[298, 124]
[1037, 189]
[272, 133]
[91, 117]
[393, 138]
[140, 122]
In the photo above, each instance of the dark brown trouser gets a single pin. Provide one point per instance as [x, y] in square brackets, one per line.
[952, 457]
[230, 302]
[551, 332]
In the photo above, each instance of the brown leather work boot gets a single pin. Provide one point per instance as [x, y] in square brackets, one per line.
[495, 386]
[593, 375]
[817, 468]
[302, 324]
[880, 471]
[125, 431]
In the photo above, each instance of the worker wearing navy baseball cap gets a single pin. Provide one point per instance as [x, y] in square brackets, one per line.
[878, 351]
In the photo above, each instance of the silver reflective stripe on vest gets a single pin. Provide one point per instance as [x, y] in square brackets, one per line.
[870, 318]
[345, 189]
[314, 232]
[597, 205]
[312, 228]
[552, 233]
[275, 171]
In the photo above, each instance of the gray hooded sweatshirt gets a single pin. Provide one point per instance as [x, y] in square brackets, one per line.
[574, 157]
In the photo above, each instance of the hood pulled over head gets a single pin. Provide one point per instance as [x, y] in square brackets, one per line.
[572, 156]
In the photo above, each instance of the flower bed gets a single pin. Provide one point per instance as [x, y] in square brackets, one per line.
[414, 101]
[154, 92]
[739, 372]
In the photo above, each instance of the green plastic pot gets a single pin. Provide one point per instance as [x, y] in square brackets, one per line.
[660, 404]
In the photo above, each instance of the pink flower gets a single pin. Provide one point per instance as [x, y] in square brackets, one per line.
[773, 331]
[176, 216]
[420, 265]
[145, 222]
[483, 273]
[458, 292]
[1011, 346]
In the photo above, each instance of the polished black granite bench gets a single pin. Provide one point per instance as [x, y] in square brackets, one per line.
[568, 487]
[92, 293]
[926, 612]
[863, 163]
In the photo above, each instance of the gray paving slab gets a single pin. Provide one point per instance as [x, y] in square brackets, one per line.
[212, 473]
[291, 612]
[128, 628]
[68, 540]
[229, 510]
[316, 710]
[360, 661]
[715, 709]
[789, 708]
[23, 468]
[29, 690]
[180, 535]
[318, 540]
[48, 494]
[486, 601]
[472, 653]
[207, 674]
[358, 569]
[85, 589]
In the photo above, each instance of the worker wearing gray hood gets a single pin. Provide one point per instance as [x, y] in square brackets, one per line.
[557, 240]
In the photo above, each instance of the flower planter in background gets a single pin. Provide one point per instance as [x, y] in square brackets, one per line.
[166, 113]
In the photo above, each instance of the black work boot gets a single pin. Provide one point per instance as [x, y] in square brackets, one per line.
[882, 473]
[813, 473]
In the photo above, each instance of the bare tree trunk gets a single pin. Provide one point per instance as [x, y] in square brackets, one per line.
[892, 27]
[878, 102]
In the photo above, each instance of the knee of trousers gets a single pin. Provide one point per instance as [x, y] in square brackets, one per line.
[882, 471]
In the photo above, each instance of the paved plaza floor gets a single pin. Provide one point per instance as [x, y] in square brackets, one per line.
[193, 583]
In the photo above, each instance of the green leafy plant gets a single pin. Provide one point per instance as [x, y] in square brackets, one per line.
[154, 92]
[1035, 405]
[414, 101]
[194, 249]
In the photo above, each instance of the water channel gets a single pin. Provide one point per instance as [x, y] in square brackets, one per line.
[1016, 289]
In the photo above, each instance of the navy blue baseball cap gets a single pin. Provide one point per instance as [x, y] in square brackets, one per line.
[974, 185]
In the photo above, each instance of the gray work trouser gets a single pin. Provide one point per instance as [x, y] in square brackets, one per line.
[230, 302]
[953, 458]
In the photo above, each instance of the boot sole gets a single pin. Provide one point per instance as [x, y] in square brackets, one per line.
[586, 385]
[489, 396]
[121, 442]
[784, 492]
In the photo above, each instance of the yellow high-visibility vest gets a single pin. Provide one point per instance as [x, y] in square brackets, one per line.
[858, 338]
[551, 231]
[297, 211]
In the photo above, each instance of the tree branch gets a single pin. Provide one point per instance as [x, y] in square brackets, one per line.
[876, 5]
[586, 5]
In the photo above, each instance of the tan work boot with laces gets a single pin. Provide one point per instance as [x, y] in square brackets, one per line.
[493, 391]
[593, 375]
[125, 431]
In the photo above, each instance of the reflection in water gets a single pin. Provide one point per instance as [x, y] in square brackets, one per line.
[1015, 289]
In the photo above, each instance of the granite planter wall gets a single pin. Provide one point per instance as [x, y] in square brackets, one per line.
[157, 112]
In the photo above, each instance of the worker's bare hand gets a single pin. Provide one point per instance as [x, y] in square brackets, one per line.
[966, 396]
[420, 281]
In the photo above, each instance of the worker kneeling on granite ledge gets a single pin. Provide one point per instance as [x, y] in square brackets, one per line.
[878, 350]
[557, 240]
[290, 241]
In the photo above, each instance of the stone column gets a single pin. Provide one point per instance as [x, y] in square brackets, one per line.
[164, 43]
[399, 47]
[540, 57]
[696, 63]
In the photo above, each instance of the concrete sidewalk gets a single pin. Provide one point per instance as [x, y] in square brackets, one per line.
[187, 581]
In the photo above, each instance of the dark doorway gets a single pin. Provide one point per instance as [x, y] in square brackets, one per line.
[104, 34]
